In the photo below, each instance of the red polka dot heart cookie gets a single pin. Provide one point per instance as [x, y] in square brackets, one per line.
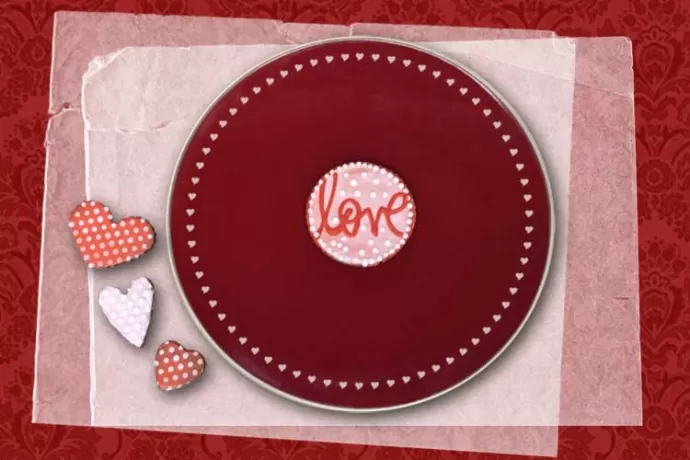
[103, 242]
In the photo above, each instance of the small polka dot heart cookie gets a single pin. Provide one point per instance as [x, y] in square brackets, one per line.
[130, 313]
[105, 243]
[177, 367]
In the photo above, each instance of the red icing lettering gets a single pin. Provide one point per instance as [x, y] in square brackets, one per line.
[350, 212]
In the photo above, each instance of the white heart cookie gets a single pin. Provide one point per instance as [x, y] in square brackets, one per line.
[130, 313]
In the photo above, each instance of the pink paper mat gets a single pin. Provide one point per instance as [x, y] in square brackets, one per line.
[139, 108]
[59, 399]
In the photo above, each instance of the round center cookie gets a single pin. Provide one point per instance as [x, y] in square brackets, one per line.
[360, 214]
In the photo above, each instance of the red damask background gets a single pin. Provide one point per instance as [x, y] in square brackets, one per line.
[660, 30]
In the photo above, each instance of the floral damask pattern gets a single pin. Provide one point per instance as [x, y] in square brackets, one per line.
[660, 30]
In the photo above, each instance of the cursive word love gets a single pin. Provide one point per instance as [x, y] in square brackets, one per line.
[350, 213]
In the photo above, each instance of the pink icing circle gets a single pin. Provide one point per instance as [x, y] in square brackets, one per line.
[360, 214]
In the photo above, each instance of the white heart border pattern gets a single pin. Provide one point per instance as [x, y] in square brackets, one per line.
[493, 317]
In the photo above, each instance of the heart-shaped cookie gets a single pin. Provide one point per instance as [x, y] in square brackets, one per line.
[176, 366]
[129, 313]
[105, 243]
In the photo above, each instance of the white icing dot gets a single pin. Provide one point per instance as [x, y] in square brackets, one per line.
[171, 350]
[176, 358]
[200, 362]
[180, 366]
[171, 368]
[353, 183]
